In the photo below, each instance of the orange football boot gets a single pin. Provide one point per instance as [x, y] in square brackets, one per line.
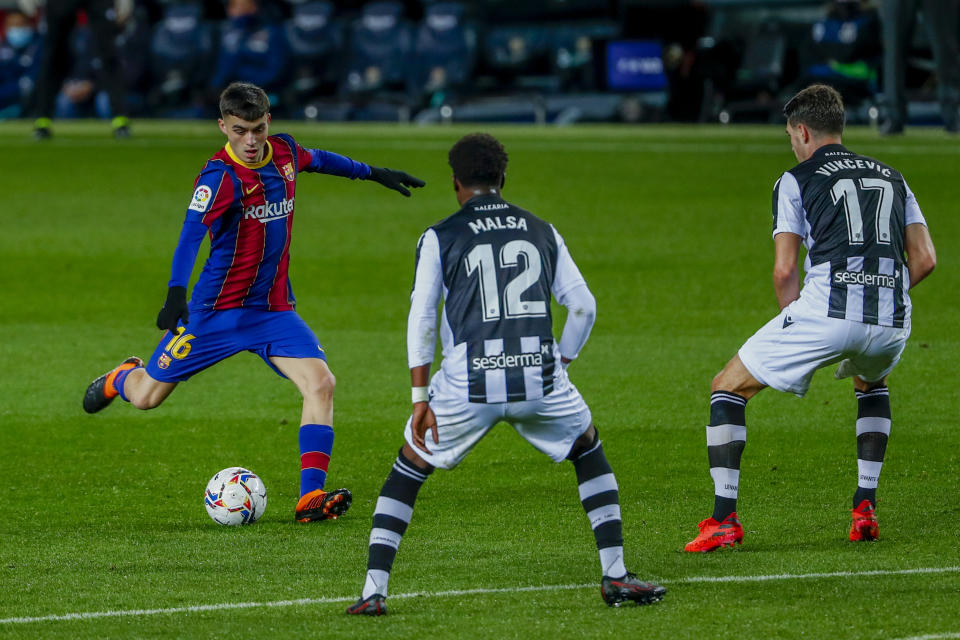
[320, 505]
[101, 391]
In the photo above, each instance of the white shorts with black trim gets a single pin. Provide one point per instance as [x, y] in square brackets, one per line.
[551, 424]
[786, 351]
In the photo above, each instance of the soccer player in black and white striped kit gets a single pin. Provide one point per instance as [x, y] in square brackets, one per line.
[495, 266]
[857, 218]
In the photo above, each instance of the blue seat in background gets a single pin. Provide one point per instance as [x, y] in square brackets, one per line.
[445, 48]
[181, 56]
[315, 39]
[380, 50]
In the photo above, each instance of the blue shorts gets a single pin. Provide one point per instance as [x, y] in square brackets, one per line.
[212, 336]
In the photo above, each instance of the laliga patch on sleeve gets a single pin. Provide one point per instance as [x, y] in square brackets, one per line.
[201, 198]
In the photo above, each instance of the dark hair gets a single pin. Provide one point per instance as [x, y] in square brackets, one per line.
[244, 100]
[819, 107]
[478, 160]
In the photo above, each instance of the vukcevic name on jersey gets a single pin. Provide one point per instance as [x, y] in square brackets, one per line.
[852, 213]
[248, 209]
[497, 266]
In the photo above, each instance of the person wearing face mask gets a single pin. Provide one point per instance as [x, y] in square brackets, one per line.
[252, 49]
[19, 61]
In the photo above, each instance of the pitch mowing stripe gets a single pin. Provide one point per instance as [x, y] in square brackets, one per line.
[561, 145]
[470, 592]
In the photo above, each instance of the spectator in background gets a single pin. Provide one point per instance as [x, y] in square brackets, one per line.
[83, 94]
[61, 17]
[77, 94]
[253, 49]
[19, 64]
[181, 56]
[133, 48]
[899, 20]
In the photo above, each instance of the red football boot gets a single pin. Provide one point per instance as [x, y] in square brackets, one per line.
[864, 526]
[714, 535]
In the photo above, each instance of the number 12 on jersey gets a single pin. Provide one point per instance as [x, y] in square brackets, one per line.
[481, 260]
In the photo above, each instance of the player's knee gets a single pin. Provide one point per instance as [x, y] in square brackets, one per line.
[322, 386]
[587, 440]
[864, 387]
[408, 454]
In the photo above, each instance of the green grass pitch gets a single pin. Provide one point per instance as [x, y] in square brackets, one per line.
[670, 226]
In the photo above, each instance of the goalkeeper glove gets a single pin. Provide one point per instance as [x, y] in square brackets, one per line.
[173, 310]
[396, 180]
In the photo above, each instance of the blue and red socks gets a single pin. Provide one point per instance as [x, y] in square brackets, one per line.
[316, 445]
[118, 379]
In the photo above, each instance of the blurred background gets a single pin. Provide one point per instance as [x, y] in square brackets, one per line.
[424, 61]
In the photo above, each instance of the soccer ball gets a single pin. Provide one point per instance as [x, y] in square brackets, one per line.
[235, 496]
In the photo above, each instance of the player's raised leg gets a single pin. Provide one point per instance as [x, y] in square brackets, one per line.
[873, 430]
[726, 439]
[390, 520]
[131, 382]
[600, 497]
[316, 384]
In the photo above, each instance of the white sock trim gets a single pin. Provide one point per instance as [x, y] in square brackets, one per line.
[726, 482]
[868, 474]
[725, 434]
[376, 582]
[603, 515]
[878, 425]
[611, 562]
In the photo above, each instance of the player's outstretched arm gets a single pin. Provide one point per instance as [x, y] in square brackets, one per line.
[396, 180]
[921, 255]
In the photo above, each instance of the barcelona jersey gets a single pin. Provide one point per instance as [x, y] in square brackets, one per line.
[247, 210]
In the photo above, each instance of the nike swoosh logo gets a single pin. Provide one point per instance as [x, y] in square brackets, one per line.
[251, 189]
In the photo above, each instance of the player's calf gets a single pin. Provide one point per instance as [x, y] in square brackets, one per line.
[873, 431]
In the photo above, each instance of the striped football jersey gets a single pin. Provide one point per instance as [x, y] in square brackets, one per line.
[852, 212]
[496, 266]
[248, 209]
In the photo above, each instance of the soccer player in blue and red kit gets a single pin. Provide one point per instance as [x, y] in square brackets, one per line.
[243, 301]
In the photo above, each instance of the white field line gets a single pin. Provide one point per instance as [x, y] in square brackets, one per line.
[468, 592]
[834, 574]
[934, 636]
